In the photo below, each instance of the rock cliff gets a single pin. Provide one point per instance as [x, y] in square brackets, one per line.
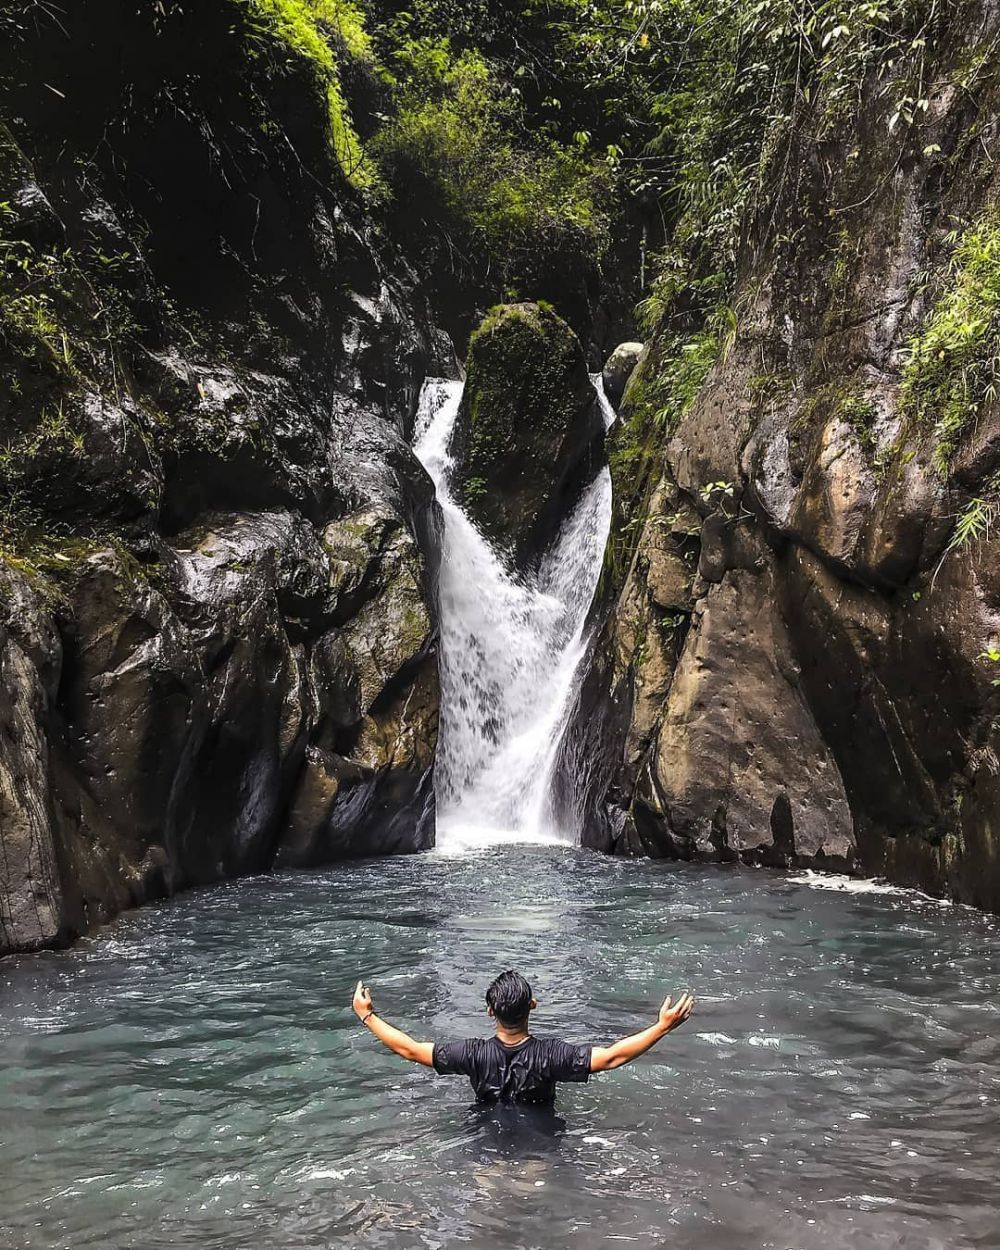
[217, 578]
[218, 553]
[802, 636]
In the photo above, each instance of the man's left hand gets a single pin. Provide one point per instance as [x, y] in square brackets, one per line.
[362, 1000]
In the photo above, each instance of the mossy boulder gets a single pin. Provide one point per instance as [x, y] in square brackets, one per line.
[619, 367]
[528, 430]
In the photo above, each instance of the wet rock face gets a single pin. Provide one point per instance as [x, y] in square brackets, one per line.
[217, 584]
[799, 652]
[529, 428]
[32, 910]
[740, 768]
[217, 711]
[365, 786]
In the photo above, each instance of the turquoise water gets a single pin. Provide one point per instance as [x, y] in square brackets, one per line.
[193, 1076]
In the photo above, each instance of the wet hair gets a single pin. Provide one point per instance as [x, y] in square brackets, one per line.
[510, 998]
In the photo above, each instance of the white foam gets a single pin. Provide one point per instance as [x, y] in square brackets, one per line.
[874, 1199]
[455, 837]
[860, 885]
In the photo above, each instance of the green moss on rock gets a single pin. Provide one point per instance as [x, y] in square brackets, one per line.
[660, 392]
[529, 417]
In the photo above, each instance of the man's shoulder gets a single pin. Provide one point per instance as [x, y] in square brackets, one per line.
[566, 1061]
[464, 1046]
[458, 1056]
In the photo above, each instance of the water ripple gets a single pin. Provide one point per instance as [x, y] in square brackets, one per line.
[191, 1077]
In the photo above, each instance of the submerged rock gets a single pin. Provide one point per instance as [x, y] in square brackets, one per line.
[529, 429]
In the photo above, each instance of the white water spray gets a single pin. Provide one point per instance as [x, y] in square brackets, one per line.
[511, 653]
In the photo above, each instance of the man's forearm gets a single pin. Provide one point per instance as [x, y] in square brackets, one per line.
[629, 1048]
[399, 1042]
[605, 1058]
[387, 1033]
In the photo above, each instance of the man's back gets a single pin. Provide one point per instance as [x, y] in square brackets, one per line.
[522, 1072]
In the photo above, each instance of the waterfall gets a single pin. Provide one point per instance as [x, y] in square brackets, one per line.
[511, 652]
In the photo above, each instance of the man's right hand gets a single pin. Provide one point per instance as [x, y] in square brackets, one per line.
[672, 1017]
[363, 1000]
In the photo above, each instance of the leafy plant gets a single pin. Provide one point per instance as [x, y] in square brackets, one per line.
[713, 489]
[316, 30]
[516, 210]
[953, 367]
[974, 522]
[992, 656]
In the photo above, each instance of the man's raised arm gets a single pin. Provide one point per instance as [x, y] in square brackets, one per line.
[604, 1058]
[399, 1042]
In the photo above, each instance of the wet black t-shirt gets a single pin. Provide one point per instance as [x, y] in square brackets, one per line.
[525, 1072]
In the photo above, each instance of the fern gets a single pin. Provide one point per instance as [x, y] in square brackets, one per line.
[973, 524]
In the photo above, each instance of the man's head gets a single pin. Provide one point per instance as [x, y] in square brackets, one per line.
[509, 1000]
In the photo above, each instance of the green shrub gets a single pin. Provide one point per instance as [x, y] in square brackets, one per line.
[313, 29]
[954, 363]
[516, 209]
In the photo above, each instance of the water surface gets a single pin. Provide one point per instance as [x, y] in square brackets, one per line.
[192, 1076]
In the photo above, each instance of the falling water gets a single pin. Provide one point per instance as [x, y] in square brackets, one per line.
[511, 652]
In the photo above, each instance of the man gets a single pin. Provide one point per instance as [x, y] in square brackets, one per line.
[513, 1066]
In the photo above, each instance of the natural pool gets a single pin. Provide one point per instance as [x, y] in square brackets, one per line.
[193, 1076]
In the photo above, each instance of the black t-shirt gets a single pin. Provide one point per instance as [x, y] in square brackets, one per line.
[525, 1072]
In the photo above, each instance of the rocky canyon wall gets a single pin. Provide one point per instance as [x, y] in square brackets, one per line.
[801, 636]
[217, 576]
[218, 551]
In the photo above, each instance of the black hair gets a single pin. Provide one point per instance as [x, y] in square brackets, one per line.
[510, 998]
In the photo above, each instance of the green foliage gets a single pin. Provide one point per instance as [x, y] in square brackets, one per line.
[511, 134]
[685, 371]
[28, 318]
[991, 656]
[859, 412]
[726, 104]
[658, 398]
[713, 491]
[954, 363]
[520, 208]
[659, 395]
[317, 30]
[54, 429]
[475, 489]
[57, 304]
[977, 517]
[662, 396]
